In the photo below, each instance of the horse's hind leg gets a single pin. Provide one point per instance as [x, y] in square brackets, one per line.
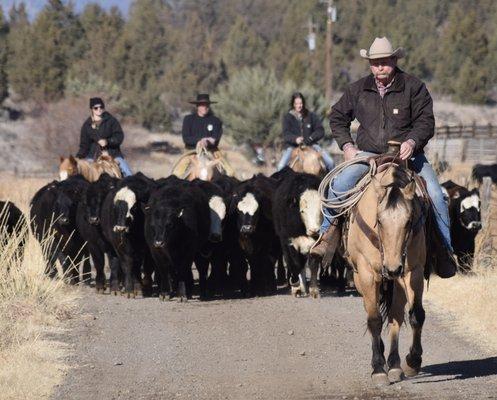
[414, 293]
[395, 320]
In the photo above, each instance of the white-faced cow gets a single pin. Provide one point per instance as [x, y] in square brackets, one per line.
[297, 219]
[465, 221]
[122, 222]
[251, 208]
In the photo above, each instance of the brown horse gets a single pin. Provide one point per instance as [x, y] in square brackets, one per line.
[91, 170]
[201, 164]
[385, 242]
[306, 159]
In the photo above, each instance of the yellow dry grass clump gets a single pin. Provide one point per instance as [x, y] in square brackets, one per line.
[31, 308]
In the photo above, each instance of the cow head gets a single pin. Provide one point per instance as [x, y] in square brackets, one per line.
[310, 211]
[94, 198]
[69, 193]
[469, 211]
[62, 208]
[248, 210]
[217, 209]
[163, 221]
[124, 206]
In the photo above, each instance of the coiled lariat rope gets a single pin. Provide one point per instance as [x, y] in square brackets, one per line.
[343, 202]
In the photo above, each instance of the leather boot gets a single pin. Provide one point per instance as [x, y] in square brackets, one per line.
[325, 246]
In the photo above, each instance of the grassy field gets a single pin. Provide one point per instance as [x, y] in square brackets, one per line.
[32, 308]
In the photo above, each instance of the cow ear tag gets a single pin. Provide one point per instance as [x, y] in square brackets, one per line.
[180, 213]
[395, 110]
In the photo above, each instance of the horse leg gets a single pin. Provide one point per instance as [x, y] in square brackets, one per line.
[370, 291]
[414, 293]
[395, 320]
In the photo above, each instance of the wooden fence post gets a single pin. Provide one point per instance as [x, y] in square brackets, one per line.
[485, 198]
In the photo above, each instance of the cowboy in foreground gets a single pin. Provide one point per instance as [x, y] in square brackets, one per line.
[102, 132]
[389, 105]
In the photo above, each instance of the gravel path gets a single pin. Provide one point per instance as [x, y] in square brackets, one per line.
[265, 348]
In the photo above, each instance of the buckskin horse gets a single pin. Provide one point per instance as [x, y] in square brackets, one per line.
[91, 170]
[385, 244]
[306, 159]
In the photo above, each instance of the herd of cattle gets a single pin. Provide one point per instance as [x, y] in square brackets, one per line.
[153, 231]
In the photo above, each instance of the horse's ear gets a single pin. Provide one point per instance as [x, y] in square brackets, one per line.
[409, 191]
[61, 158]
[72, 159]
[380, 190]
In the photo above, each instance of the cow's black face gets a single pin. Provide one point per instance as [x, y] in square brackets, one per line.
[164, 222]
[63, 208]
[248, 211]
[469, 212]
[93, 202]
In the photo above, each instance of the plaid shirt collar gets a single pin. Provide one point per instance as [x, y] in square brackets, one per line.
[382, 89]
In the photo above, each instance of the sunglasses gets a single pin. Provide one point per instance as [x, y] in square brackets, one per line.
[98, 108]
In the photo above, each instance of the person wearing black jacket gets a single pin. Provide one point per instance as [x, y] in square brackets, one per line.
[301, 126]
[389, 105]
[102, 132]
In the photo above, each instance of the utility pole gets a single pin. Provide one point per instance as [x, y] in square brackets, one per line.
[311, 41]
[331, 12]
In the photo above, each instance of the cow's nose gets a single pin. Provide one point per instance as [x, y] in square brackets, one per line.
[158, 244]
[94, 220]
[247, 229]
[215, 237]
[63, 220]
[119, 228]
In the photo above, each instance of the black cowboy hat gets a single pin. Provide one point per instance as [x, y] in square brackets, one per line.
[202, 98]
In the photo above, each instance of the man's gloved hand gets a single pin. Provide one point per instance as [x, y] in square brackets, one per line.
[299, 140]
[407, 149]
[102, 142]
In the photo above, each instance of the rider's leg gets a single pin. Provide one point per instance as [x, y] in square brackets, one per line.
[425, 170]
[325, 246]
[285, 158]
[328, 161]
[123, 165]
[343, 182]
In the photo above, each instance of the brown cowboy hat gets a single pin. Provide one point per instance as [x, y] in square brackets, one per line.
[382, 48]
[202, 98]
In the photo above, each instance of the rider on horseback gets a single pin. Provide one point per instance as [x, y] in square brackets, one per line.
[102, 132]
[390, 105]
[302, 127]
[201, 128]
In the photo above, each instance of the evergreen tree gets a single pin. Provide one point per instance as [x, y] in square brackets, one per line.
[21, 61]
[4, 30]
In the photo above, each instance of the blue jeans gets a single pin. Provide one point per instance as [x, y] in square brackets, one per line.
[347, 179]
[285, 157]
[123, 166]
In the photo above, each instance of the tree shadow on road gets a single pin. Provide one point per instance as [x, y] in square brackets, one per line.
[459, 370]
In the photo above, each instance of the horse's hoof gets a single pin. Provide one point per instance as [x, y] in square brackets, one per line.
[410, 371]
[396, 375]
[380, 379]
[314, 293]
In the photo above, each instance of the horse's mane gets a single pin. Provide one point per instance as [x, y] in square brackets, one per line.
[401, 177]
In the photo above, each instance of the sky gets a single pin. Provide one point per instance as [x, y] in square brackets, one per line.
[34, 6]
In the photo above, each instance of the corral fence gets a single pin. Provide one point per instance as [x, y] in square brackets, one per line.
[474, 144]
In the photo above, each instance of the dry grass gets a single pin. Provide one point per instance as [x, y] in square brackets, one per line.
[31, 309]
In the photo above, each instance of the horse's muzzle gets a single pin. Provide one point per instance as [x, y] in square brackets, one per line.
[392, 274]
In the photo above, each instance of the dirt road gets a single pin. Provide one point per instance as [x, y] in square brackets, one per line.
[265, 348]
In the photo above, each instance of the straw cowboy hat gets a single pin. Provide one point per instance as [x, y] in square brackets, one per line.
[382, 48]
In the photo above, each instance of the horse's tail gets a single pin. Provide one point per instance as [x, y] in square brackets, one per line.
[386, 298]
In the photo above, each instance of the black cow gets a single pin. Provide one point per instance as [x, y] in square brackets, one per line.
[53, 212]
[13, 225]
[465, 221]
[122, 222]
[480, 171]
[297, 220]
[251, 208]
[88, 224]
[176, 229]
